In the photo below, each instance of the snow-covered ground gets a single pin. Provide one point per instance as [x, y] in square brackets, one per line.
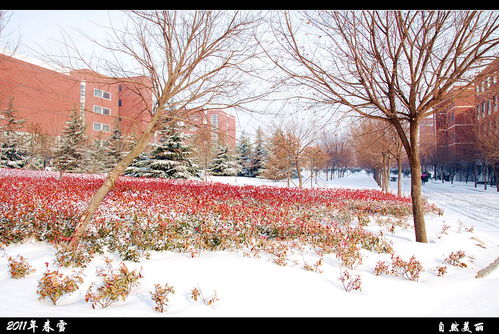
[249, 286]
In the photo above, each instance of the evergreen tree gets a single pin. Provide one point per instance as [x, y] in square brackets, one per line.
[11, 154]
[259, 154]
[245, 156]
[115, 147]
[224, 164]
[95, 159]
[170, 158]
[139, 166]
[71, 151]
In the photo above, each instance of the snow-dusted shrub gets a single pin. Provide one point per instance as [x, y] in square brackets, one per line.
[315, 267]
[381, 268]
[53, 284]
[115, 285]
[350, 283]
[160, 296]
[454, 259]
[349, 254]
[197, 294]
[376, 243]
[73, 258]
[406, 269]
[19, 267]
[441, 271]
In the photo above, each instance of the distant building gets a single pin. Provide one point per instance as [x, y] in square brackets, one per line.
[457, 120]
[486, 97]
[454, 128]
[45, 98]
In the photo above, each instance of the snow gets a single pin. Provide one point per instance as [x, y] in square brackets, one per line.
[250, 286]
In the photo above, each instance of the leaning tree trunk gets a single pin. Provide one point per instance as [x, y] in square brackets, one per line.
[111, 179]
[416, 195]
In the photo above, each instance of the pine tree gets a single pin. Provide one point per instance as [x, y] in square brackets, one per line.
[245, 156]
[224, 164]
[71, 152]
[259, 154]
[170, 158]
[114, 149]
[95, 158]
[11, 154]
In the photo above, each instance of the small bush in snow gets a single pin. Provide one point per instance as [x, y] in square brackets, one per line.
[70, 258]
[350, 283]
[160, 296]
[441, 271]
[196, 293]
[115, 285]
[454, 259]
[407, 269]
[381, 268]
[53, 284]
[19, 267]
[315, 267]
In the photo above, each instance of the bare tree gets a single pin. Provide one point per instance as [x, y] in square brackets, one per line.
[395, 66]
[373, 146]
[203, 148]
[280, 163]
[338, 151]
[315, 160]
[191, 60]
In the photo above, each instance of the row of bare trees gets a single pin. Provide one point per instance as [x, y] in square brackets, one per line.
[391, 66]
[295, 146]
[377, 146]
[394, 67]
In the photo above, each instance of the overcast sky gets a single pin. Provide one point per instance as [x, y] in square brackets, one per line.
[40, 32]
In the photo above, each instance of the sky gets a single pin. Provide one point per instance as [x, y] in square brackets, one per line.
[41, 32]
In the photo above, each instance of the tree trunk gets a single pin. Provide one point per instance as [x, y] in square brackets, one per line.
[484, 168]
[416, 195]
[110, 180]
[475, 172]
[496, 175]
[298, 170]
[399, 177]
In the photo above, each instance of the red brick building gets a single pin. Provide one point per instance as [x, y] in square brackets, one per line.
[222, 125]
[45, 98]
[454, 128]
[486, 97]
[459, 121]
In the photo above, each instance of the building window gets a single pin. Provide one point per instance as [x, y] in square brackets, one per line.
[83, 86]
[102, 110]
[102, 94]
[214, 120]
[120, 88]
[102, 127]
[119, 102]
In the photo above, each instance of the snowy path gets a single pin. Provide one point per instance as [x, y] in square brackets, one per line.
[465, 200]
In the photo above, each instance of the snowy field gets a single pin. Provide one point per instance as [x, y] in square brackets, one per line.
[250, 286]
